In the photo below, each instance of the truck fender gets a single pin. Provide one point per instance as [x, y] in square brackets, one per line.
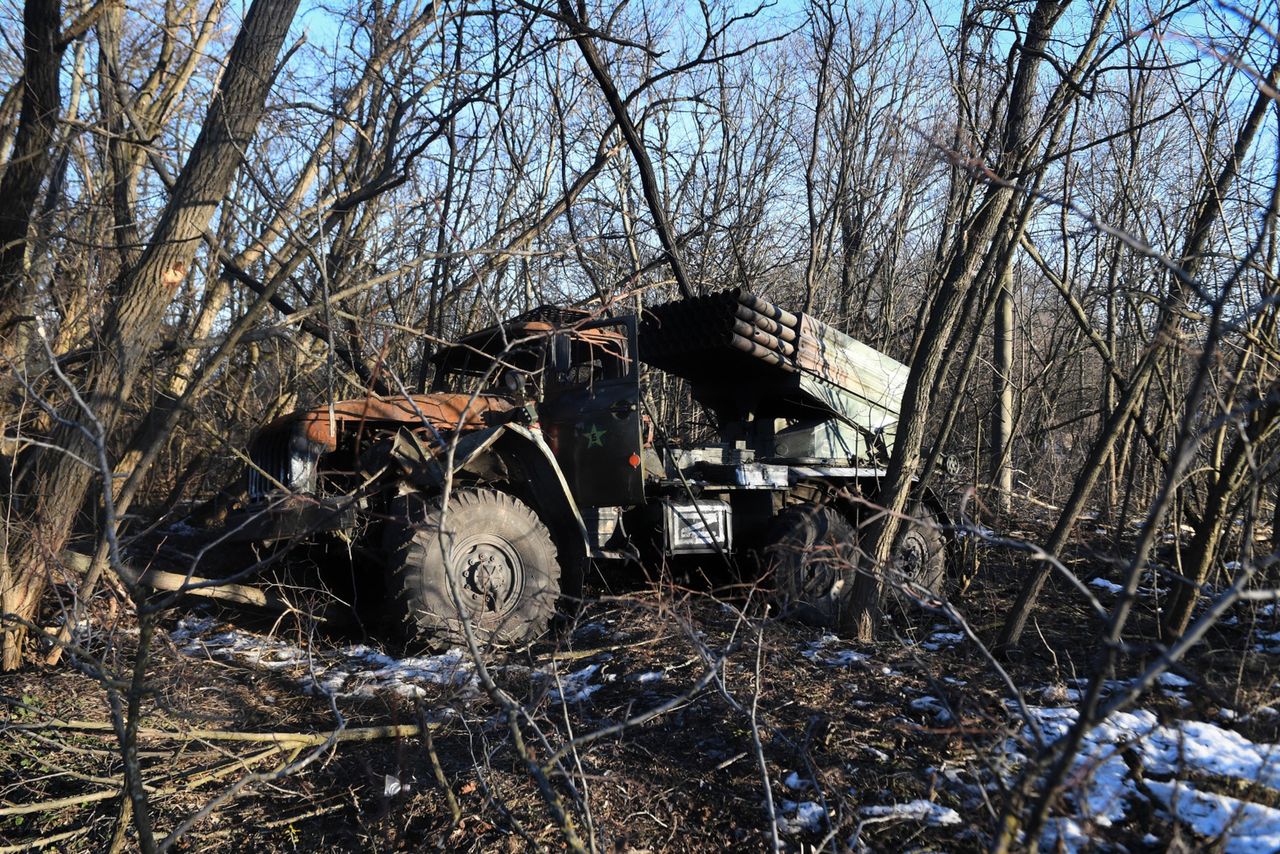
[425, 470]
[508, 452]
[522, 448]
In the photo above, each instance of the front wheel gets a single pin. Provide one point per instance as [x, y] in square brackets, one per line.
[488, 561]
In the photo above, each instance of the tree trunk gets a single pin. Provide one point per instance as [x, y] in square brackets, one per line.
[1002, 414]
[1204, 542]
[58, 482]
[859, 610]
[32, 154]
[648, 180]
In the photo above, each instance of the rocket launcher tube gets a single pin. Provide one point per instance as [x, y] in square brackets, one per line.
[764, 339]
[762, 353]
[768, 309]
[773, 327]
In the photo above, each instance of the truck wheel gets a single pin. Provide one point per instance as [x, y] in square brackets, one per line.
[491, 548]
[807, 548]
[922, 554]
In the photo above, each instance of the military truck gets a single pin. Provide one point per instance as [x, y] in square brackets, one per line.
[486, 499]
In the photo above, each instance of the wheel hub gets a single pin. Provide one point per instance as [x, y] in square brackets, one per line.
[911, 557]
[490, 575]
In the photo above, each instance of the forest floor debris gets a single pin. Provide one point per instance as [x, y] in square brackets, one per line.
[905, 742]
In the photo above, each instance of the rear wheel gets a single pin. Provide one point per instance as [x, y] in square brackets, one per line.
[489, 561]
[921, 557]
[809, 547]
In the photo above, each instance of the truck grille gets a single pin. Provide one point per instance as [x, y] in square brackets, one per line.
[271, 459]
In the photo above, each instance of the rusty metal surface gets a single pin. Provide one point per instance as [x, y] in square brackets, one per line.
[442, 411]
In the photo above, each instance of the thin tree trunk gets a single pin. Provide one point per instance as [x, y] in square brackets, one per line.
[648, 181]
[1002, 414]
[997, 212]
[32, 155]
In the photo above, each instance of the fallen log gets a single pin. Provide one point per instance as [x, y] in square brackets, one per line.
[210, 588]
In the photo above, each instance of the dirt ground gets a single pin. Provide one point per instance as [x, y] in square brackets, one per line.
[657, 716]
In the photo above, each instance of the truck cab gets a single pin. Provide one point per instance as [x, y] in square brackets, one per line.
[579, 378]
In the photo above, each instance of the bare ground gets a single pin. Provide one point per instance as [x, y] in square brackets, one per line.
[919, 718]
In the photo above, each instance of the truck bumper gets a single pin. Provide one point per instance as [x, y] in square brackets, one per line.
[289, 517]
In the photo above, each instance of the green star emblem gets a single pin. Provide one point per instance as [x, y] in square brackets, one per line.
[595, 437]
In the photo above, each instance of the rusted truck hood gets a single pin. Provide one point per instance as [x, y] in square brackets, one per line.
[443, 411]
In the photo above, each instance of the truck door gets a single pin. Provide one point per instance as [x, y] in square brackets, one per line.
[590, 411]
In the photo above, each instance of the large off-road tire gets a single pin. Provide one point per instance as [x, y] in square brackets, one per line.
[922, 553]
[808, 547]
[490, 549]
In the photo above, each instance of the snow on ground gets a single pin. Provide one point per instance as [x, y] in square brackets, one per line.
[1166, 754]
[925, 811]
[575, 687]
[818, 652]
[1245, 827]
[932, 706]
[351, 671]
[360, 671]
[795, 782]
[1064, 834]
[801, 816]
[941, 640]
[1104, 584]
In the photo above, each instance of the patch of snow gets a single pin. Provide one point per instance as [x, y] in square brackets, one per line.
[373, 671]
[190, 627]
[876, 754]
[353, 671]
[939, 640]
[1104, 584]
[1248, 827]
[1067, 833]
[921, 810]
[574, 687]
[803, 816]
[1173, 680]
[933, 706]
[795, 782]
[1107, 788]
[1165, 750]
[653, 676]
[817, 652]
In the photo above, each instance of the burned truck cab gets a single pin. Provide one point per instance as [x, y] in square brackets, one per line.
[579, 378]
